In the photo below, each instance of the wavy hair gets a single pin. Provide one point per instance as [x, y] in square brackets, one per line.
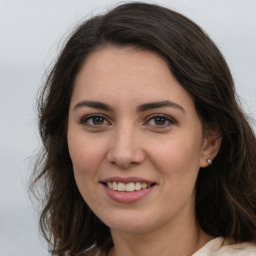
[225, 191]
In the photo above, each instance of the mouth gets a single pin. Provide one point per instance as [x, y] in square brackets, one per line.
[127, 190]
[127, 187]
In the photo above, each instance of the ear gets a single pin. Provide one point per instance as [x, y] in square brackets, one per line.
[211, 146]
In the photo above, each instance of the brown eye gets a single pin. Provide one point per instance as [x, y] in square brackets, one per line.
[160, 121]
[94, 121]
[97, 120]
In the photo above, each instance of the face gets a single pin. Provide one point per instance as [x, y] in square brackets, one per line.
[135, 141]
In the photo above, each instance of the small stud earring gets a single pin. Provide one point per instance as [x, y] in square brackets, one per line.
[209, 161]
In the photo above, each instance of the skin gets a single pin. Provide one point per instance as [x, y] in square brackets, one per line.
[127, 142]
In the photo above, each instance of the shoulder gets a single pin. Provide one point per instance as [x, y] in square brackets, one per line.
[94, 252]
[224, 247]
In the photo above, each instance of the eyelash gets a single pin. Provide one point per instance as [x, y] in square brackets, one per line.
[168, 121]
[85, 120]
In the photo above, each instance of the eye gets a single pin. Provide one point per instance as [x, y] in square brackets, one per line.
[94, 121]
[160, 120]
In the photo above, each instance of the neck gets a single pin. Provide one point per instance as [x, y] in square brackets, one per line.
[182, 240]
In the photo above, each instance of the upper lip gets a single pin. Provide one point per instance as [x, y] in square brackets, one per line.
[127, 180]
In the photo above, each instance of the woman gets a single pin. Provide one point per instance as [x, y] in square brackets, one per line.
[146, 151]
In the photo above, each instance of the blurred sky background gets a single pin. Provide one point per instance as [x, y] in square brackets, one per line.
[31, 34]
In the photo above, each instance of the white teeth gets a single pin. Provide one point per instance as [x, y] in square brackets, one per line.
[129, 187]
[110, 185]
[144, 185]
[121, 186]
[114, 185]
[137, 186]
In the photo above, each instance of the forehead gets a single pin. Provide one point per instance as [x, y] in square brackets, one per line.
[124, 60]
[127, 73]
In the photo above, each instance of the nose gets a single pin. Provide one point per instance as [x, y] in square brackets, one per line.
[125, 149]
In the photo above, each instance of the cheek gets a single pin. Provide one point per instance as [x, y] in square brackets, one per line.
[85, 156]
[85, 159]
[178, 159]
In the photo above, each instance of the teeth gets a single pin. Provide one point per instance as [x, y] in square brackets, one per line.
[129, 187]
[110, 185]
[137, 186]
[121, 186]
[144, 185]
[114, 185]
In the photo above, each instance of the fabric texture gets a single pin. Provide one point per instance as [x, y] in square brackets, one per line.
[224, 247]
[216, 247]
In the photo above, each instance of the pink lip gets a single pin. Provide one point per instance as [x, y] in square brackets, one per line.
[127, 197]
[127, 180]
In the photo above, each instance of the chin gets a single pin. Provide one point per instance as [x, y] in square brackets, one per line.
[132, 228]
[131, 222]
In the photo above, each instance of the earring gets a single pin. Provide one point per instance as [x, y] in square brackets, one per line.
[209, 161]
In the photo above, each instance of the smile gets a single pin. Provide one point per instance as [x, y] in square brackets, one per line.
[128, 187]
[127, 190]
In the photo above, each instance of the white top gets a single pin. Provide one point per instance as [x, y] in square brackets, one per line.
[216, 247]
[222, 247]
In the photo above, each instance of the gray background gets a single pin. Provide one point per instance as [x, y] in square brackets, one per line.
[31, 34]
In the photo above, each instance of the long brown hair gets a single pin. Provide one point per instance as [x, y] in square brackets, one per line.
[226, 190]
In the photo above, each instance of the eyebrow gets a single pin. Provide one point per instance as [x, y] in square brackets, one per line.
[160, 104]
[141, 108]
[93, 104]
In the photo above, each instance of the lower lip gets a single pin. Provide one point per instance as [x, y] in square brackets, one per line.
[127, 197]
